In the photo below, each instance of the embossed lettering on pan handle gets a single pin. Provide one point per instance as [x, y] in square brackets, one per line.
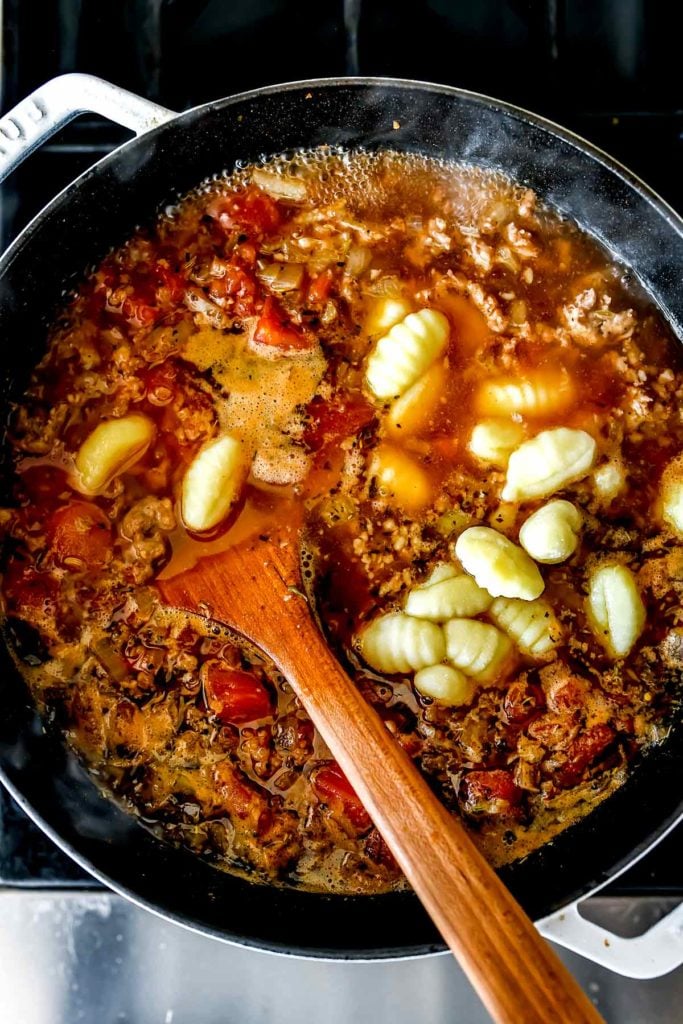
[54, 104]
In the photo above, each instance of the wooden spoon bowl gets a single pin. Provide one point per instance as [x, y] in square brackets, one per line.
[255, 588]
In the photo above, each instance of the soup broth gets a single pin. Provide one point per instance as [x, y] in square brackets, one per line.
[475, 414]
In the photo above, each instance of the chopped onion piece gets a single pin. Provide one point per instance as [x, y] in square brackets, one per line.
[358, 260]
[281, 186]
[282, 277]
[198, 303]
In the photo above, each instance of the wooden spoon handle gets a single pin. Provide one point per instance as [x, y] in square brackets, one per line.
[517, 975]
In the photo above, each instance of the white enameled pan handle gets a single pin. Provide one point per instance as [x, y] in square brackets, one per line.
[654, 953]
[58, 101]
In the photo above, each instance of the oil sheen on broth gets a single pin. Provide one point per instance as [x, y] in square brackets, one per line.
[476, 416]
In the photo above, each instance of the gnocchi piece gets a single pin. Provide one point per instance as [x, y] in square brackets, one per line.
[493, 441]
[414, 410]
[400, 478]
[213, 483]
[447, 594]
[407, 351]
[498, 565]
[445, 685]
[385, 312]
[609, 480]
[530, 624]
[112, 448]
[672, 495]
[548, 462]
[535, 395]
[615, 609]
[477, 649]
[399, 643]
[551, 534]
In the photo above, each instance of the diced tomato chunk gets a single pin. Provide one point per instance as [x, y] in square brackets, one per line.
[330, 422]
[235, 696]
[275, 329]
[490, 792]
[237, 285]
[319, 288]
[583, 751]
[80, 531]
[333, 788]
[250, 211]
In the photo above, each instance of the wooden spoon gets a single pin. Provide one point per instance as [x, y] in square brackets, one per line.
[255, 587]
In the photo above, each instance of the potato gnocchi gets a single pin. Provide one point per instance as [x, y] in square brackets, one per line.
[615, 608]
[445, 685]
[551, 533]
[112, 448]
[213, 483]
[447, 594]
[399, 643]
[498, 565]
[478, 649]
[531, 625]
[409, 348]
[533, 396]
[493, 441]
[400, 478]
[672, 496]
[547, 463]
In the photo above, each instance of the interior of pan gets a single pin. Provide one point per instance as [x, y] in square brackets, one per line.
[99, 211]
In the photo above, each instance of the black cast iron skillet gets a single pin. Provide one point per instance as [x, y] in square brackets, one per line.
[100, 210]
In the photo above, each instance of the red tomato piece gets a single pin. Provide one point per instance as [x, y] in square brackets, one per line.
[584, 750]
[80, 530]
[490, 792]
[331, 422]
[333, 788]
[238, 285]
[236, 696]
[319, 288]
[275, 329]
[251, 211]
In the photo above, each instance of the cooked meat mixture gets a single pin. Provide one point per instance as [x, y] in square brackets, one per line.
[477, 414]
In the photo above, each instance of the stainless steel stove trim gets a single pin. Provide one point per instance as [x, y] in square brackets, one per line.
[34, 120]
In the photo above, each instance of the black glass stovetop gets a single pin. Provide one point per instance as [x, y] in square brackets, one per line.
[607, 70]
